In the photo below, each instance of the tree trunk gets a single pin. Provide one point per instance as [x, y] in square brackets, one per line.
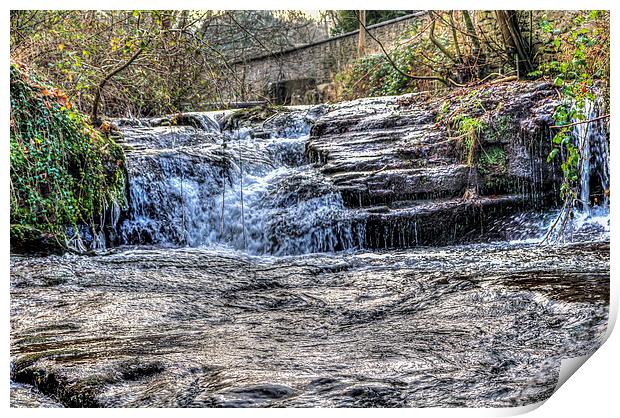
[435, 41]
[513, 39]
[454, 36]
[361, 40]
[94, 117]
[471, 31]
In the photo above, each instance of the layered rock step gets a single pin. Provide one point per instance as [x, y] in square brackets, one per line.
[436, 221]
[425, 170]
[386, 186]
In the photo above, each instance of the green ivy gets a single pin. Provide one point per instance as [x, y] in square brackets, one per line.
[63, 172]
[574, 75]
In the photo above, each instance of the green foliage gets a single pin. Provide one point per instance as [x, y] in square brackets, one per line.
[395, 82]
[465, 124]
[585, 58]
[469, 129]
[63, 172]
[493, 161]
[372, 75]
[493, 166]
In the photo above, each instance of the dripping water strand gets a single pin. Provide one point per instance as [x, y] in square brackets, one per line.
[582, 132]
[223, 189]
[245, 243]
[183, 221]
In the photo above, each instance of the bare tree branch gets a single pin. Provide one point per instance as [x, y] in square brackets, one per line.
[94, 117]
[447, 81]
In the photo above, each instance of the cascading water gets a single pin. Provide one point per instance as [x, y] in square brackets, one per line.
[590, 219]
[593, 139]
[194, 185]
[197, 186]
[594, 150]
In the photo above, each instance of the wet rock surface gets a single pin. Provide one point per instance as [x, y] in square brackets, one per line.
[474, 325]
[26, 396]
[253, 267]
[400, 153]
[373, 173]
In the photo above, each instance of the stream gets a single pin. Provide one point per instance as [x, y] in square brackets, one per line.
[241, 277]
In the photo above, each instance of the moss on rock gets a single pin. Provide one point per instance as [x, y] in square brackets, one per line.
[64, 173]
[493, 166]
[252, 115]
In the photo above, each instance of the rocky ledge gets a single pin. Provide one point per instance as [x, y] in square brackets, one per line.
[435, 170]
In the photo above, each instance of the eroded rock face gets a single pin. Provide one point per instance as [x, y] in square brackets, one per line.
[387, 172]
[188, 327]
[405, 164]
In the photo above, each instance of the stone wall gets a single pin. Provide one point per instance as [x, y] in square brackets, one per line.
[285, 76]
[319, 61]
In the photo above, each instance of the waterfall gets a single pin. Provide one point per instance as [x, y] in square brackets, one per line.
[252, 189]
[590, 219]
[592, 216]
[592, 139]
[200, 187]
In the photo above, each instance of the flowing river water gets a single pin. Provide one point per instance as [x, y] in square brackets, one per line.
[241, 278]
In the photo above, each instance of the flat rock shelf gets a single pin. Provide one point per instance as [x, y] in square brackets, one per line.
[475, 325]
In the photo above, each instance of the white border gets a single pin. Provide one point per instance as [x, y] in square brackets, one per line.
[592, 391]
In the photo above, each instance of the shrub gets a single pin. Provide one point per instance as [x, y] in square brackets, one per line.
[64, 173]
